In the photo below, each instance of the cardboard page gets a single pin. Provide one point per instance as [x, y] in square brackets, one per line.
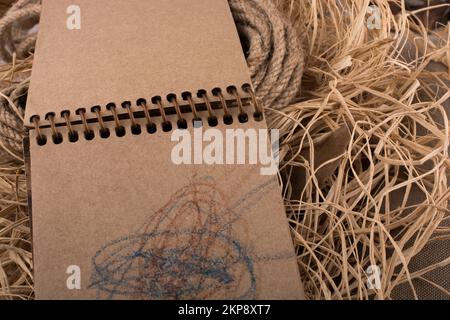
[118, 218]
[127, 50]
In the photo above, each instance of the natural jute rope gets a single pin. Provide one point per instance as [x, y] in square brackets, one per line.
[272, 47]
[275, 56]
[16, 41]
[15, 35]
[11, 120]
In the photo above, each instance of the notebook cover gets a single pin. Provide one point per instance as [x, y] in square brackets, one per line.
[130, 50]
[118, 212]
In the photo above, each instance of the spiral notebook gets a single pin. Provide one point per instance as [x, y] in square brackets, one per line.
[118, 210]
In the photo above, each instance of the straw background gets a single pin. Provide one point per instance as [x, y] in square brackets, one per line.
[365, 147]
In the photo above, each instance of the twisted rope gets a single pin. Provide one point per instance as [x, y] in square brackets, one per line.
[274, 54]
[15, 35]
[12, 110]
[273, 50]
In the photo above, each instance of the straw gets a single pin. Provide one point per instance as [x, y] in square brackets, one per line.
[369, 212]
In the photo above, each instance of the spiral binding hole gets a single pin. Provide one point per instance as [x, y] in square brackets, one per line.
[182, 124]
[41, 140]
[227, 117]
[187, 96]
[212, 119]
[258, 115]
[57, 138]
[166, 125]
[232, 90]
[141, 102]
[136, 129]
[89, 135]
[216, 92]
[243, 116]
[73, 137]
[105, 133]
[151, 126]
[120, 131]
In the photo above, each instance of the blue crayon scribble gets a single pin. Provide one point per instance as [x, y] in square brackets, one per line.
[185, 250]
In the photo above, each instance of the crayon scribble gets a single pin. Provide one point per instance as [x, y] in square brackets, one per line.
[187, 250]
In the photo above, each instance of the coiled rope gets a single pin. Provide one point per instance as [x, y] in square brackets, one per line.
[274, 53]
[16, 35]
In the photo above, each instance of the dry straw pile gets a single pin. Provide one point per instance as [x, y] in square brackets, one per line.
[365, 149]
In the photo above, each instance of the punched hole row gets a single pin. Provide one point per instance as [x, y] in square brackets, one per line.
[150, 127]
[121, 131]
